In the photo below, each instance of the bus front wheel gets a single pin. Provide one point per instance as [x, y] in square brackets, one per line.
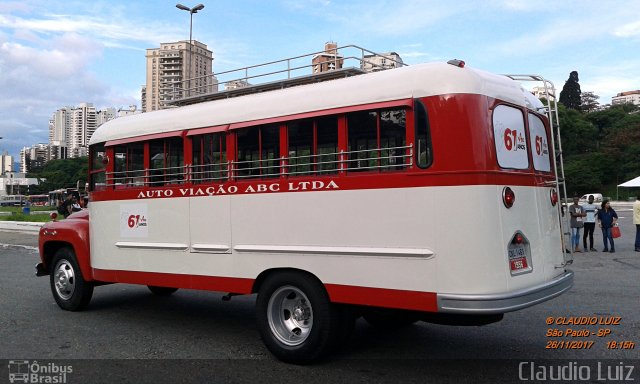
[69, 288]
[296, 319]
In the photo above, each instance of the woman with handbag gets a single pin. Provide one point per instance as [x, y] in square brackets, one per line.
[607, 218]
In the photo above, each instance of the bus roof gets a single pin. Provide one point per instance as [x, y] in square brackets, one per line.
[420, 80]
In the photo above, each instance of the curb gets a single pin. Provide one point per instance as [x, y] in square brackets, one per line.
[22, 226]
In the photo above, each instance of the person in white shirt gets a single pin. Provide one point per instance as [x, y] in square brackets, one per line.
[589, 224]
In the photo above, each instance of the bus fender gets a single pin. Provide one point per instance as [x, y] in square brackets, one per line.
[72, 232]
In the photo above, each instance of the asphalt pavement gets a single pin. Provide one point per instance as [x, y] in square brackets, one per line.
[129, 335]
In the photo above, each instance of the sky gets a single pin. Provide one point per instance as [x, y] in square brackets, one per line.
[63, 53]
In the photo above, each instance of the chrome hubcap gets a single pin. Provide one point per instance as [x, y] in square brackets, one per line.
[290, 315]
[64, 279]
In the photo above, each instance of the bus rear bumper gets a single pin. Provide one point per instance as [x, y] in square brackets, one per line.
[505, 302]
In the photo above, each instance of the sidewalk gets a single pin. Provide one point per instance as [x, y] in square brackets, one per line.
[22, 226]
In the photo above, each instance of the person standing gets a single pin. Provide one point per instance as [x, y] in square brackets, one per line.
[577, 213]
[65, 207]
[636, 221]
[590, 210]
[607, 218]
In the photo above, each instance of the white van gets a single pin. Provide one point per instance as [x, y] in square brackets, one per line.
[597, 198]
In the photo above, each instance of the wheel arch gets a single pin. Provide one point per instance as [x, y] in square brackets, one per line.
[50, 248]
[264, 275]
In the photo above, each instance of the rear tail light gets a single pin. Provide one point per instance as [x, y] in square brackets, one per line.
[553, 195]
[518, 239]
[508, 197]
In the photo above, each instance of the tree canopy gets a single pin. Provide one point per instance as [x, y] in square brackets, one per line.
[589, 102]
[601, 149]
[57, 174]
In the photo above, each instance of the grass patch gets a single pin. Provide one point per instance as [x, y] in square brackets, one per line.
[38, 218]
[19, 209]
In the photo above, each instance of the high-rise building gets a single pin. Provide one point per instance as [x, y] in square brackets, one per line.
[6, 163]
[104, 115]
[33, 157]
[174, 71]
[59, 123]
[83, 124]
[328, 60]
[71, 128]
[143, 98]
[380, 62]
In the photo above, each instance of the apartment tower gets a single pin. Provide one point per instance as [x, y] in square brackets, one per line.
[175, 71]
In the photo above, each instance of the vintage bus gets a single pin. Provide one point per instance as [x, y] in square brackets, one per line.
[38, 200]
[427, 192]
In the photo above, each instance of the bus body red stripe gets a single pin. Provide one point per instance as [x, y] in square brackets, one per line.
[344, 294]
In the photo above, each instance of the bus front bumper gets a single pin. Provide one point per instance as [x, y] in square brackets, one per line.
[505, 302]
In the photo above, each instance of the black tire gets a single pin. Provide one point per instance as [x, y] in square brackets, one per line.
[296, 320]
[161, 291]
[389, 319]
[69, 288]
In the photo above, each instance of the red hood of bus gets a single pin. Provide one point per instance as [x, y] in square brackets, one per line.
[81, 215]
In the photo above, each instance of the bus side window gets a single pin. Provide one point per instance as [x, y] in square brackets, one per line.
[300, 137]
[327, 144]
[209, 161]
[424, 155]
[129, 165]
[97, 176]
[393, 135]
[166, 162]
[258, 151]
[247, 164]
[362, 127]
[377, 140]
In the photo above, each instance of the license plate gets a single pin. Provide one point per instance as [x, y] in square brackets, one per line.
[518, 258]
[518, 264]
[517, 251]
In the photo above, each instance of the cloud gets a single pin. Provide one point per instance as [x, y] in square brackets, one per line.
[36, 81]
[628, 30]
[108, 29]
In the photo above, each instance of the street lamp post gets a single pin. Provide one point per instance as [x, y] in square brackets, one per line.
[191, 11]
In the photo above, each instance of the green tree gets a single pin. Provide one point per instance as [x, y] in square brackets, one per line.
[587, 172]
[61, 174]
[570, 94]
[589, 102]
[622, 144]
[578, 134]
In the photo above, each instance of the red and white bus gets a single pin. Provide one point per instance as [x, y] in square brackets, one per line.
[426, 192]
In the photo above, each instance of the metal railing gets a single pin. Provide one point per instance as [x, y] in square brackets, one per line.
[382, 159]
[348, 56]
[151, 177]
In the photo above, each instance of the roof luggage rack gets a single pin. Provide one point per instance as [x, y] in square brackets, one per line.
[330, 64]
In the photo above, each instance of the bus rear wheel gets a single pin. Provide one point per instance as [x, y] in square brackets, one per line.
[69, 288]
[161, 291]
[296, 319]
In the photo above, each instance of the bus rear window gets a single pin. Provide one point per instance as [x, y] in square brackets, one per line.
[510, 138]
[539, 144]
